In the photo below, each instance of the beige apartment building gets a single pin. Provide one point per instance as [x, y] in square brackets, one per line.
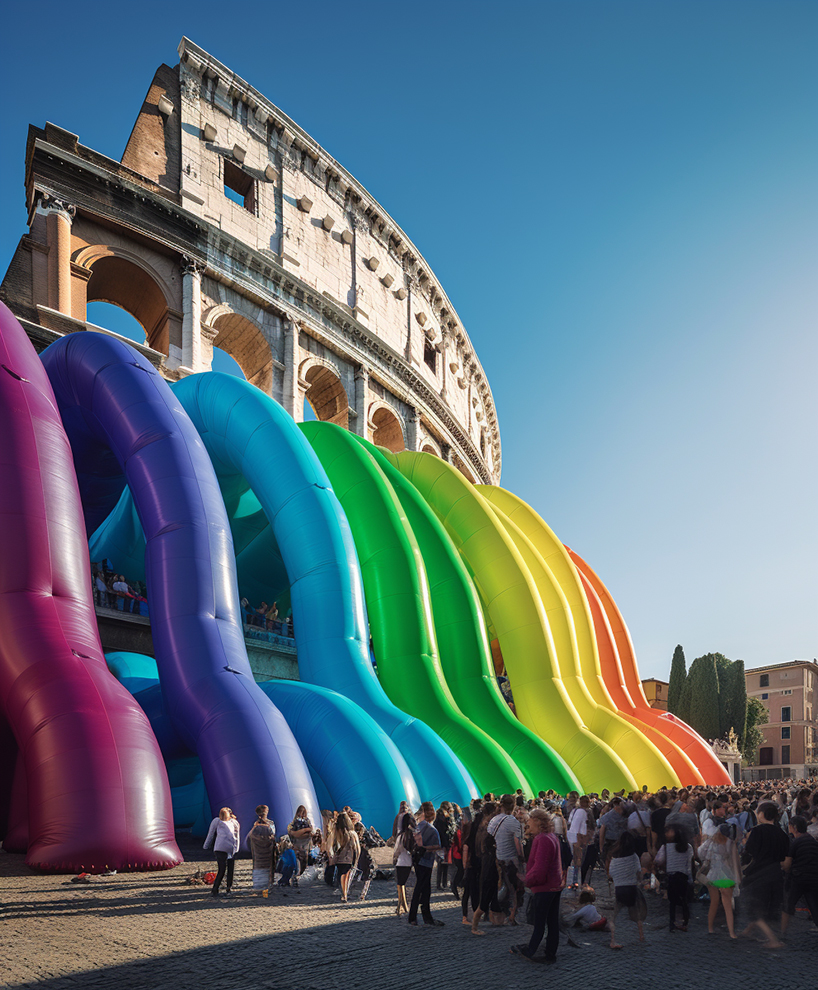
[789, 692]
[656, 692]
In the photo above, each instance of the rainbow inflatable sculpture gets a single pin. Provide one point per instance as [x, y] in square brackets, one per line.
[208, 486]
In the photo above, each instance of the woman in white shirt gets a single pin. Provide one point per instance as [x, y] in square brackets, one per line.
[578, 836]
[402, 858]
[223, 835]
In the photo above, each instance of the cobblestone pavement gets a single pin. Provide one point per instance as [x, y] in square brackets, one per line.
[155, 930]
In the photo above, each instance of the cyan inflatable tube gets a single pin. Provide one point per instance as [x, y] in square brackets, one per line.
[97, 792]
[347, 749]
[121, 416]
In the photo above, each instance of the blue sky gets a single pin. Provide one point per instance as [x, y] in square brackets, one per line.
[619, 199]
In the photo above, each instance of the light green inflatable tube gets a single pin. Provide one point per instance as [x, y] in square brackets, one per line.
[399, 605]
[463, 645]
[518, 615]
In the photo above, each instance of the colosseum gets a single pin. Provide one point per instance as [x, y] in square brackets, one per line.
[225, 224]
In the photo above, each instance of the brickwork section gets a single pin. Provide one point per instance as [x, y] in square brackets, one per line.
[155, 930]
[154, 148]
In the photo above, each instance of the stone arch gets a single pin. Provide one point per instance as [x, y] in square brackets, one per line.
[125, 279]
[324, 390]
[430, 446]
[387, 427]
[242, 339]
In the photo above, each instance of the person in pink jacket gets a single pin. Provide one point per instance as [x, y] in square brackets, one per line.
[545, 878]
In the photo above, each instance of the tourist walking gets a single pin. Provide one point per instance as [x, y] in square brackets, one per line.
[427, 839]
[545, 878]
[675, 857]
[346, 848]
[766, 849]
[721, 871]
[223, 835]
[625, 869]
[802, 867]
[261, 841]
[402, 858]
[300, 832]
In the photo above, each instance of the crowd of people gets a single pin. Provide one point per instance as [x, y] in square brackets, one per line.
[112, 590]
[267, 617]
[752, 851]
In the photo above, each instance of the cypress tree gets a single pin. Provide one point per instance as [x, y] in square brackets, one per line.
[737, 701]
[703, 681]
[724, 672]
[685, 701]
[678, 675]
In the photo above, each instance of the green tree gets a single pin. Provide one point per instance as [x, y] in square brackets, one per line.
[724, 672]
[703, 684]
[735, 705]
[757, 715]
[685, 701]
[678, 675]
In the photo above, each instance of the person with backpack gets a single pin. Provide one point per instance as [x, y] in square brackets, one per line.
[427, 844]
[489, 874]
[507, 831]
[402, 858]
[766, 849]
[446, 827]
[675, 858]
[545, 878]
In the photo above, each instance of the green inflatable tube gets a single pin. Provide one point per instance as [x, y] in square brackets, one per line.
[399, 605]
[465, 655]
[512, 601]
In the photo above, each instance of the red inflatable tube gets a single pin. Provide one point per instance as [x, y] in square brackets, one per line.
[98, 794]
[690, 742]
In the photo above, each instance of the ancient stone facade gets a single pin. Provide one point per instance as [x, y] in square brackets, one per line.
[226, 224]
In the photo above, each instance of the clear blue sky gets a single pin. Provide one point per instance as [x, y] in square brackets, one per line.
[620, 200]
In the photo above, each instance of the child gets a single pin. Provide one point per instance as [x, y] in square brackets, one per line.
[586, 915]
[288, 862]
[625, 869]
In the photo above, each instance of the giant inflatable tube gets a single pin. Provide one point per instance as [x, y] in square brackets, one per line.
[125, 426]
[643, 759]
[397, 598]
[465, 654]
[512, 602]
[688, 740]
[97, 793]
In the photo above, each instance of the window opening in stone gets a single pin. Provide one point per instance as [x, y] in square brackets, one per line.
[387, 430]
[483, 442]
[786, 714]
[327, 396]
[764, 680]
[430, 356]
[765, 756]
[112, 317]
[785, 754]
[239, 186]
[210, 88]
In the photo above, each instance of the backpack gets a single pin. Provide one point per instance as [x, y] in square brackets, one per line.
[566, 853]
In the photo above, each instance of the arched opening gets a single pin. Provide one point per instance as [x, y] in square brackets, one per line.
[121, 282]
[112, 317]
[246, 345]
[327, 396]
[387, 430]
[427, 448]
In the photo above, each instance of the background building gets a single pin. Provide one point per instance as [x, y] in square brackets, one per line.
[789, 692]
[656, 692]
[225, 224]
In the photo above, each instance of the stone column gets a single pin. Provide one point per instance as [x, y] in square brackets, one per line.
[58, 231]
[412, 429]
[191, 316]
[291, 392]
[361, 401]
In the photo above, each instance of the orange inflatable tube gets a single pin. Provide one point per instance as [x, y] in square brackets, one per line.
[621, 676]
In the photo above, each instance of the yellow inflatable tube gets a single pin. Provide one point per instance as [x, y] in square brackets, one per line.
[511, 600]
[581, 674]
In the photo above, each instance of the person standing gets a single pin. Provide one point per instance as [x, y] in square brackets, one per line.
[507, 831]
[402, 857]
[625, 869]
[675, 856]
[300, 832]
[427, 839]
[766, 849]
[446, 827]
[223, 835]
[720, 853]
[261, 841]
[346, 848]
[545, 878]
[802, 866]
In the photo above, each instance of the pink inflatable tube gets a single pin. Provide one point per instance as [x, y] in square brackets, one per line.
[98, 794]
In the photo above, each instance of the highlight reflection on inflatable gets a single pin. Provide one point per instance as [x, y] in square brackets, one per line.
[208, 486]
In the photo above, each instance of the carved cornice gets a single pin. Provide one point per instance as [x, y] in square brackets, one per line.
[296, 146]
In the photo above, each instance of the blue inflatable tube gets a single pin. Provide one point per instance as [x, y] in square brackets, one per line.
[126, 427]
[249, 436]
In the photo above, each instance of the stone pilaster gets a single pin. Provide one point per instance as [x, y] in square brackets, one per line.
[291, 391]
[192, 316]
[361, 401]
[59, 216]
[412, 429]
